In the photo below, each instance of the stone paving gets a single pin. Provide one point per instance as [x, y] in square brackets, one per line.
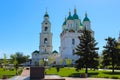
[68, 78]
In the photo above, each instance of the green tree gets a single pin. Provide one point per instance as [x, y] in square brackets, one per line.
[111, 53]
[87, 51]
[19, 57]
[118, 47]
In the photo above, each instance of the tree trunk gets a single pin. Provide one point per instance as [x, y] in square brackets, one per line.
[113, 63]
[86, 70]
[112, 68]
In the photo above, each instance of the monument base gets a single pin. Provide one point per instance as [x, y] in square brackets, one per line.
[37, 73]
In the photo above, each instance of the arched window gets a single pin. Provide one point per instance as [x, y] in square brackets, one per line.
[45, 41]
[46, 28]
[73, 41]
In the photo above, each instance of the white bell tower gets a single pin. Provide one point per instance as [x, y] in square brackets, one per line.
[46, 36]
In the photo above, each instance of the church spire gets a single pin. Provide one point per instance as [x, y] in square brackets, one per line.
[69, 17]
[69, 12]
[86, 17]
[75, 11]
[86, 14]
[46, 13]
[75, 16]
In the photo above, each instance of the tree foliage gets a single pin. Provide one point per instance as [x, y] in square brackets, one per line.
[111, 53]
[87, 51]
[19, 57]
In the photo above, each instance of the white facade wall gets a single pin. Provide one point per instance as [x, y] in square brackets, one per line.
[67, 47]
[35, 58]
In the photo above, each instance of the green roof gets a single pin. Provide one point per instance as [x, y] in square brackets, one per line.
[36, 51]
[75, 16]
[70, 17]
[54, 51]
[64, 23]
[81, 24]
[86, 18]
[46, 15]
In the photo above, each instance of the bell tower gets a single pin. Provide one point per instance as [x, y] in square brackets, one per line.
[46, 36]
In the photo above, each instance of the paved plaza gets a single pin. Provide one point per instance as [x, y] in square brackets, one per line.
[26, 76]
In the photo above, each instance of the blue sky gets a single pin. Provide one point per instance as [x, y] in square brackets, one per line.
[20, 21]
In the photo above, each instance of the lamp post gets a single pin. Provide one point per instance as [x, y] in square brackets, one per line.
[45, 61]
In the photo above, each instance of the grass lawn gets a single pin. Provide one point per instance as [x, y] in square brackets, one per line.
[71, 72]
[8, 73]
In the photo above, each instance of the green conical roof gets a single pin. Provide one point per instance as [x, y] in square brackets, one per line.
[86, 18]
[75, 16]
[46, 14]
[54, 51]
[36, 51]
[70, 17]
[64, 23]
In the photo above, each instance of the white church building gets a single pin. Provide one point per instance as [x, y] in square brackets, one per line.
[71, 29]
[45, 52]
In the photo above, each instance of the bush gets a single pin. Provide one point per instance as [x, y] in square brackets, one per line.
[115, 77]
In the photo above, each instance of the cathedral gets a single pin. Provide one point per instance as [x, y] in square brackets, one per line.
[71, 29]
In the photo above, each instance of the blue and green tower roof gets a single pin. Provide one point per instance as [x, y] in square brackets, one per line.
[46, 14]
[64, 23]
[86, 18]
[75, 16]
[55, 52]
[69, 17]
